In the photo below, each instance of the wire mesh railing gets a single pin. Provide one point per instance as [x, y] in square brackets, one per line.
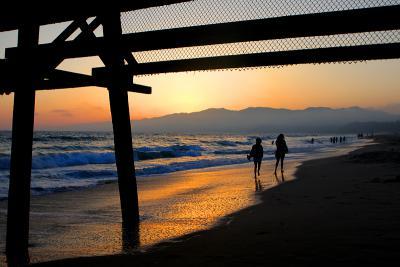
[339, 40]
[206, 12]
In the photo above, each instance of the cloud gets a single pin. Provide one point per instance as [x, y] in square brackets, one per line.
[62, 112]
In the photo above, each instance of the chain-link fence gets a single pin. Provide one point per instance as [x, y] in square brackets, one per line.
[381, 37]
[205, 12]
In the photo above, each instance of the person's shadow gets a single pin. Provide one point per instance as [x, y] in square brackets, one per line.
[258, 185]
[279, 181]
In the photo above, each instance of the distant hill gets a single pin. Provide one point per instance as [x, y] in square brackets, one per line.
[219, 120]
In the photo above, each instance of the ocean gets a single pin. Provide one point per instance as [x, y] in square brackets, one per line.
[65, 161]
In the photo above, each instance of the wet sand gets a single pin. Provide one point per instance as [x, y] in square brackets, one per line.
[88, 222]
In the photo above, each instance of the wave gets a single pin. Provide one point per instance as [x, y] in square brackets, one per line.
[264, 137]
[84, 174]
[44, 138]
[4, 162]
[4, 138]
[164, 154]
[74, 147]
[174, 151]
[231, 152]
[54, 160]
[171, 148]
[188, 165]
[227, 142]
[38, 190]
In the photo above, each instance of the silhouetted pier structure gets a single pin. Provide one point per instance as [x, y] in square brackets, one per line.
[174, 48]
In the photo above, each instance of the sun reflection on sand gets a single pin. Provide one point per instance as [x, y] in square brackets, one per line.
[88, 222]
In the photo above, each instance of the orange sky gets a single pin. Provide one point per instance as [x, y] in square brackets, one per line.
[371, 84]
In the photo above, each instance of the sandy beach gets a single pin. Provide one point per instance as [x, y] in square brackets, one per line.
[340, 210]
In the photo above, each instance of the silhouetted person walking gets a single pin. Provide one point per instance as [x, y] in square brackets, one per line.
[281, 150]
[257, 153]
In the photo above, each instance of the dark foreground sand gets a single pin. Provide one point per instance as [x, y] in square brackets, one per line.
[341, 211]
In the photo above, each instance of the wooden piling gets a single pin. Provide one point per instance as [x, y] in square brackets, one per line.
[21, 151]
[121, 121]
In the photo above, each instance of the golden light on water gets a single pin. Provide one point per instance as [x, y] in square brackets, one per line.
[170, 206]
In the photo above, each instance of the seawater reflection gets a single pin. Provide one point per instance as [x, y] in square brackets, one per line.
[88, 223]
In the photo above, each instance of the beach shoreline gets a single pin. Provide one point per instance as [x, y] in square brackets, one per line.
[341, 210]
[104, 191]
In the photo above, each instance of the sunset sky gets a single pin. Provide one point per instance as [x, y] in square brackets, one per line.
[373, 84]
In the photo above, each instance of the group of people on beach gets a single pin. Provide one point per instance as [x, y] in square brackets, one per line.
[361, 135]
[335, 139]
[257, 153]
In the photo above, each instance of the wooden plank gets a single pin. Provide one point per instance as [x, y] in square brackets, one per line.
[53, 61]
[88, 34]
[56, 79]
[21, 154]
[59, 79]
[137, 88]
[44, 12]
[67, 32]
[4, 85]
[70, 84]
[321, 55]
[119, 107]
[330, 23]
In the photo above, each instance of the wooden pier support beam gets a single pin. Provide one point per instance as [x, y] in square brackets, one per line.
[114, 61]
[21, 151]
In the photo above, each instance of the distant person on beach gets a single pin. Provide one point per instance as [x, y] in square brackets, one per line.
[257, 153]
[281, 150]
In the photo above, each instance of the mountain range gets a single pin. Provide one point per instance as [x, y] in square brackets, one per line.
[261, 119]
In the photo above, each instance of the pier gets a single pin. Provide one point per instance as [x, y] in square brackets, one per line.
[339, 34]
